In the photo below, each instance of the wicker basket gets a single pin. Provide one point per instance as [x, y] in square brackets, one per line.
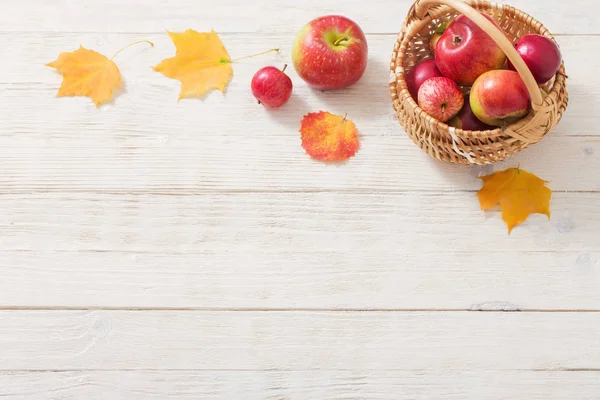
[473, 147]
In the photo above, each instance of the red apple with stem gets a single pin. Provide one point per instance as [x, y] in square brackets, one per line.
[541, 54]
[467, 120]
[420, 73]
[441, 98]
[466, 51]
[271, 86]
[330, 52]
[499, 97]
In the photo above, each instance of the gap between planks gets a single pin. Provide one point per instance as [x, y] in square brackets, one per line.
[28, 371]
[181, 192]
[476, 308]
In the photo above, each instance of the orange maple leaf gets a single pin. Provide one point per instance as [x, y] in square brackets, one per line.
[88, 73]
[201, 63]
[519, 194]
[329, 137]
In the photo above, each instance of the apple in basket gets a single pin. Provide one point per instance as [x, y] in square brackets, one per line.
[420, 73]
[499, 97]
[541, 54]
[441, 98]
[466, 119]
[465, 51]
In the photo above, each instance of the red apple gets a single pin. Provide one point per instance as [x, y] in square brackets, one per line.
[541, 54]
[466, 119]
[499, 97]
[420, 73]
[330, 52]
[271, 87]
[465, 51]
[436, 36]
[441, 98]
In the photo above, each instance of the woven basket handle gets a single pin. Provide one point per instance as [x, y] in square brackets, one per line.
[498, 36]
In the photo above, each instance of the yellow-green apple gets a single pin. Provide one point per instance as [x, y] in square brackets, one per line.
[541, 54]
[466, 119]
[436, 36]
[466, 51]
[330, 52]
[440, 97]
[420, 73]
[499, 97]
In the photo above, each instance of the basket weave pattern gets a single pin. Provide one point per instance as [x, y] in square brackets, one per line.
[449, 144]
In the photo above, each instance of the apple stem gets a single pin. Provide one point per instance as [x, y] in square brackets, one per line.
[254, 55]
[131, 44]
[340, 40]
[284, 67]
[345, 115]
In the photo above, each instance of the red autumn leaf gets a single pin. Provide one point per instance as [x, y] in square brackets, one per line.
[329, 137]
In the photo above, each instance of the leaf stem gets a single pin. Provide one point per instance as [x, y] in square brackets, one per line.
[254, 55]
[131, 44]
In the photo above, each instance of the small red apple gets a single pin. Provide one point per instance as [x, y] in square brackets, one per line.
[441, 98]
[420, 73]
[330, 52]
[541, 54]
[466, 51]
[467, 120]
[271, 86]
[499, 97]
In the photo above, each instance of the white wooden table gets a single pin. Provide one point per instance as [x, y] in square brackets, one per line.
[154, 249]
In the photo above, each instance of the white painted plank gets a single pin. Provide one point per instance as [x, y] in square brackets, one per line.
[301, 222]
[150, 142]
[59, 340]
[401, 277]
[183, 165]
[149, 106]
[301, 385]
[264, 16]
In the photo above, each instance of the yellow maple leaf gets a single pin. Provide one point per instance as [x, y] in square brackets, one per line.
[88, 73]
[519, 194]
[201, 63]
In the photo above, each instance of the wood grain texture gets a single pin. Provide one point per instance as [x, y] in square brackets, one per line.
[251, 250]
[264, 16]
[301, 385]
[282, 222]
[183, 165]
[397, 278]
[405, 341]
